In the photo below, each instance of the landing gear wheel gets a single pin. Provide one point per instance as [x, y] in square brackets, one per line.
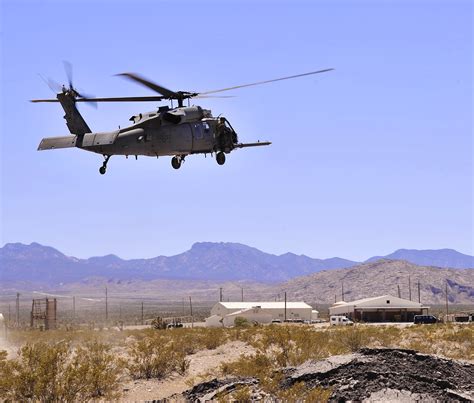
[103, 168]
[220, 158]
[176, 162]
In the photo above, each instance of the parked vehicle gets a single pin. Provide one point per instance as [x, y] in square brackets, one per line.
[464, 318]
[276, 321]
[336, 320]
[425, 319]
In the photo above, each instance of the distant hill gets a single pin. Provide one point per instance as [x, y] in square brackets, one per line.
[382, 277]
[38, 264]
[204, 261]
[431, 257]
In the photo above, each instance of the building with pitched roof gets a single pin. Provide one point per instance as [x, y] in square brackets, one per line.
[224, 313]
[385, 308]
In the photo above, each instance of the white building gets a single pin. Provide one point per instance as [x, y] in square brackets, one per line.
[224, 313]
[385, 308]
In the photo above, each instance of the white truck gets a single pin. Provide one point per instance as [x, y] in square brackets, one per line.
[337, 320]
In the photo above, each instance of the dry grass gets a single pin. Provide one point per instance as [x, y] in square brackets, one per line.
[92, 363]
[56, 372]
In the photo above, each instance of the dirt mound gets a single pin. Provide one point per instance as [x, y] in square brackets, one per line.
[369, 375]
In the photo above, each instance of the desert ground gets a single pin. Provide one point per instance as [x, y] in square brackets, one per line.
[245, 362]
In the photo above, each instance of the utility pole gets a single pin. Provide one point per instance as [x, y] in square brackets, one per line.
[73, 307]
[191, 310]
[342, 285]
[409, 287]
[183, 306]
[18, 309]
[285, 306]
[242, 292]
[335, 298]
[106, 306]
[220, 294]
[447, 311]
[120, 311]
[142, 313]
[9, 314]
[399, 294]
[419, 295]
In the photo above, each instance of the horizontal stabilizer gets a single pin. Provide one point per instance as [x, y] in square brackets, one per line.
[50, 143]
[259, 143]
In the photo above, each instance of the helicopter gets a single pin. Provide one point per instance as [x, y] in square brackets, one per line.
[166, 131]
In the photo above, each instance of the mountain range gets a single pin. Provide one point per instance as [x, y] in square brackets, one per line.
[208, 261]
[384, 276]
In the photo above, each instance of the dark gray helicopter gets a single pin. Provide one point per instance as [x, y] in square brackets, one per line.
[167, 131]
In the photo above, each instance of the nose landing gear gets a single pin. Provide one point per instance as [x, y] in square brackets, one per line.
[176, 161]
[103, 168]
[220, 158]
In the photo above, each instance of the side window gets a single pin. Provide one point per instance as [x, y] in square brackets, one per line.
[198, 130]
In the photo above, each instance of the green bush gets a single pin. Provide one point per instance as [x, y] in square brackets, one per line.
[352, 338]
[240, 321]
[153, 358]
[57, 372]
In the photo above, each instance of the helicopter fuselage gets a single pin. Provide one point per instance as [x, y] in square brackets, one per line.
[166, 132]
[169, 132]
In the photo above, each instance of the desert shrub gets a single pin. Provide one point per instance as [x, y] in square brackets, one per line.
[242, 394]
[211, 338]
[459, 333]
[56, 372]
[291, 345]
[240, 321]
[244, 334]
[257, 365]
[300, 392]
[6, 384]
[384, 336]
[449, 340]
[351, 338]
[95, 369]
[154, 358]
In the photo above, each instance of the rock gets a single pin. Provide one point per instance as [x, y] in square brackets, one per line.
[369, 375]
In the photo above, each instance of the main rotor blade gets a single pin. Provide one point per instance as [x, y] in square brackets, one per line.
[122, 99]
[118, 99]
[265, 82]
[43, 100]
[147, 83]
[214, 96]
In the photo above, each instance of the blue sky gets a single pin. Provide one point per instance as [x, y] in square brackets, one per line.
[374, 156]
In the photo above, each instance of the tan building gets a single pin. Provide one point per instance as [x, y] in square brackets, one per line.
[385, 308]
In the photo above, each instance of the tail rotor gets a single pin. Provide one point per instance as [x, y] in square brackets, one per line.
[68, 90]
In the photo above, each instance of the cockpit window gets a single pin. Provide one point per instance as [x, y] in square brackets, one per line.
[206, 126]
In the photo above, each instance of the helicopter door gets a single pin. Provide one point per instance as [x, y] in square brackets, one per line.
[178, 138]
[202, 138]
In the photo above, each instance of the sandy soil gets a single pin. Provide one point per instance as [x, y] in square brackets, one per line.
[201, 363]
